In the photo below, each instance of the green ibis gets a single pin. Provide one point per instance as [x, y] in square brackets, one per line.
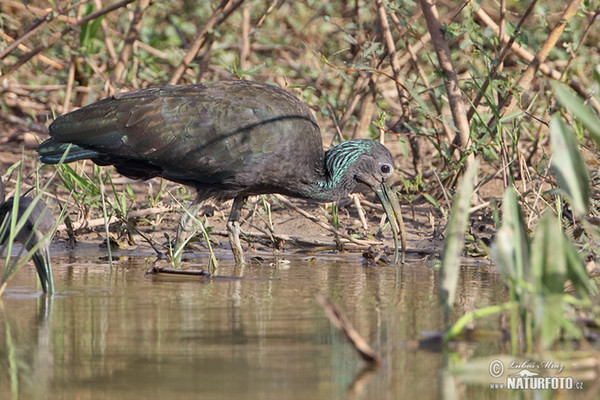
[228, 140]
[37, 227]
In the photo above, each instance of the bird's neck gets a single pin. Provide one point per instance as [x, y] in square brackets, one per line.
[336, 174]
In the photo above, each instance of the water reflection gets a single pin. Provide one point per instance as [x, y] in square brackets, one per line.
[119, 334]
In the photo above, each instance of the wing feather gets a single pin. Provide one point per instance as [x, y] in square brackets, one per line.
[208, 134]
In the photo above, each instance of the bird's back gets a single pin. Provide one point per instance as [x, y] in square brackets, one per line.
[224, 138]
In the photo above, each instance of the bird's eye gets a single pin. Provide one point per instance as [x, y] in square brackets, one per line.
[386, 169]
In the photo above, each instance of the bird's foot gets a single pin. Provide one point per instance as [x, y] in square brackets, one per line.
[233, 232]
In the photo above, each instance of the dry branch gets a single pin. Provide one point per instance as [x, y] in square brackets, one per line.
[223, 11]
[70, 81]
[42, 57]
[13, 119]
[498, 62]
[46, 17]
[536, 61]
[110, 48]
[451, 78]
[245, 39]
[132, 34]
[524, 81]
[149, 49]
[391, 49]
[56, 36]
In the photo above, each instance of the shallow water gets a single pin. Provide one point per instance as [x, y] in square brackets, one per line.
[117, 333]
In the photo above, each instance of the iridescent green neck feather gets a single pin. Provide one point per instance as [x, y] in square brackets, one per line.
[338, 174]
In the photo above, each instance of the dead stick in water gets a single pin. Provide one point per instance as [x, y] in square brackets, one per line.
[203, 274]
[160, 270]
[338, 319]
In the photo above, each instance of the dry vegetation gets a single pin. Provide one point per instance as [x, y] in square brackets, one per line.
[442, 85]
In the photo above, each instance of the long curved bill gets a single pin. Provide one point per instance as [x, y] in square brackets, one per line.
[389, 200]
[41, 260]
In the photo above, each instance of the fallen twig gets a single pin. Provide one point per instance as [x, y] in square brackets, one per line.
[203, 274]
[13, 119]
[132, 214]
[338, 319]
[321, 224]
[190, 272]
[303, 241]
[360, 210]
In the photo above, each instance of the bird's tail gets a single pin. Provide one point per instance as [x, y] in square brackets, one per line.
[52, 152]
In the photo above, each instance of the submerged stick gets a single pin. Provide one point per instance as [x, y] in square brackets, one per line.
[203, 274]
[159, 270]
[338, 319]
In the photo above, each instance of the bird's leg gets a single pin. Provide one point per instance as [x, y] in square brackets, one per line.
[233, 230]
[185, 229]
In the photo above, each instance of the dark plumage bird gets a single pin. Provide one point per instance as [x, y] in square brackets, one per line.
[38, 227]
[229, 140]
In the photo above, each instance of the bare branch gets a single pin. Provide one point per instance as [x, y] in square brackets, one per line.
[451, 82]
[56, 36]
[224, 11]
[524, 81]
[132, 34]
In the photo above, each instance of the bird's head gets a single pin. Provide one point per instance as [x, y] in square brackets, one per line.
[371, 163]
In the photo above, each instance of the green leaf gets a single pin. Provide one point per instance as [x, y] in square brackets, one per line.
[457, 225]
[582, 112]
[577, 273]
[90, 29]
[511, 248]
[550, 319]
[548, 257]
[414, 94]
[463, 321]
[431, 200]
[569, 167]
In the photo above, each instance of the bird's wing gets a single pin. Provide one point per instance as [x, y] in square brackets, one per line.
[209, 131]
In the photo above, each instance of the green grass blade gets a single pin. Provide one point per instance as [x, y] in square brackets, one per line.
[511, 248]
[455, 230]
[583, 113]
[548, 261]
[569, 167]
[462, 322]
